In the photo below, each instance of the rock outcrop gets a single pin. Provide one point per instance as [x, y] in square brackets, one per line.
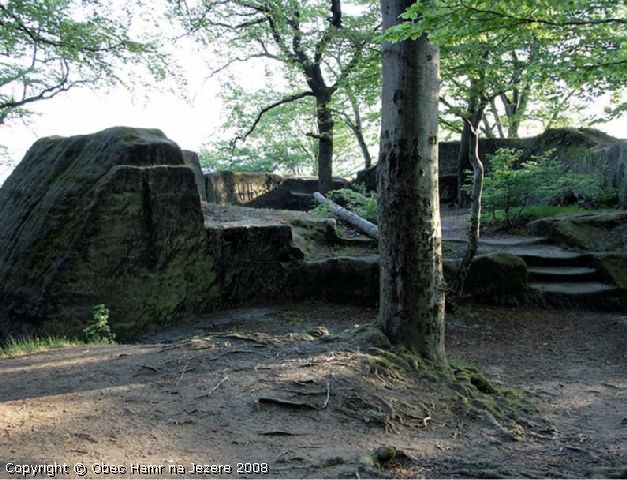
[594, 231]
[192, 161]
[263, 190]
[111, 218]
[583, 150]
[497, 277]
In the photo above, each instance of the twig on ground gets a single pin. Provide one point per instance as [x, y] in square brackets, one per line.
[326, 401]
[173, 346]
[248, 338]
[208, 394]
[229, 352]
[285, 403]
[259, 366]
[182, 373]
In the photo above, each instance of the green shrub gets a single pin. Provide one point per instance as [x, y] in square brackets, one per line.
[99, 331]
[541, 181]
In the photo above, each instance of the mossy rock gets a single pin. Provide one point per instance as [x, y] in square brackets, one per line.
[111, 218]
[370, 336]
[474, 380]
[338, 280]
[499, 277]
[614, 267]
[595, 231]
[383, 455]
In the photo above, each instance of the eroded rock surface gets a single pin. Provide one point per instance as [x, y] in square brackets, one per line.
[496, 277]
[110, 218]
[595, 231]
[500, 277]
[263, 190]
[192, 161]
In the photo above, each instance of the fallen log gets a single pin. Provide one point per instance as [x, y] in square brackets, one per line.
[355, 220]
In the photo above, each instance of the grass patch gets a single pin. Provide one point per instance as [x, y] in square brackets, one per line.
[27, 345]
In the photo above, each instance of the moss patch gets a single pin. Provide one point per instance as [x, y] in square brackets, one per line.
[614, 265]
[500, 277]
[504, 403]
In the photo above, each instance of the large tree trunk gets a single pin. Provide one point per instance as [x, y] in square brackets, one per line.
[325, 145]
[411, 306]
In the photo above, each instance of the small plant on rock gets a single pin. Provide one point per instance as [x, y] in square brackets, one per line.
[99, 331]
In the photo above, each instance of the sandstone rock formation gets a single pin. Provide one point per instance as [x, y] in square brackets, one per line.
[263, 190]
[497, 277]
[111, 218]
[192, 161]
[593, 231]
[584, 150]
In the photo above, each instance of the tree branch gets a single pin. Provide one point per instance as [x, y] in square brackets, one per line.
[288, 99]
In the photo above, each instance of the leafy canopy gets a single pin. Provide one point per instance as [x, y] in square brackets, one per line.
[540, 51]
[50, 46]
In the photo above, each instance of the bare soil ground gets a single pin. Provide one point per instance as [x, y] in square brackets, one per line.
[264, 385]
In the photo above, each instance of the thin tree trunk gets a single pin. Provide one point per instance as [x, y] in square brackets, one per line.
[411, 308]
[523, 101]
[355, 126]
[457, 285]
[359, 132]
[487, 128]
[463, 164]
[325, 145]
[497, 118]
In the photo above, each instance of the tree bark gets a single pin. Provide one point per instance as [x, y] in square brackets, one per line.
[325, 145]
[411, 308]
[457, 285]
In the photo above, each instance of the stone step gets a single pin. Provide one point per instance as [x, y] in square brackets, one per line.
[580, 295]
[563, 274]
[501, 243]
[571, 288]
[550, 256]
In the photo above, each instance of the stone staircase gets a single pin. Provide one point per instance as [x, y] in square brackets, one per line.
[557, 276]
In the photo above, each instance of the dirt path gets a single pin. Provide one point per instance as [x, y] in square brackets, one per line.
[202, 401]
